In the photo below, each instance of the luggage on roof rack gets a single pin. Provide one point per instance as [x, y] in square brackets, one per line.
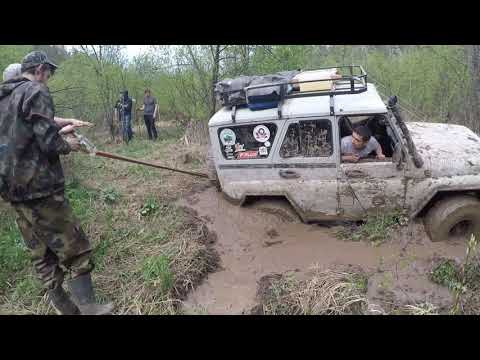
[268, 97]
[231, 92]
[269, 91]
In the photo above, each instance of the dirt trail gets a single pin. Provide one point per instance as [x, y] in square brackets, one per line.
[253, 243]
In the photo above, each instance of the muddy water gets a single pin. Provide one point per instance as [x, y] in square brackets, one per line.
[253, 243]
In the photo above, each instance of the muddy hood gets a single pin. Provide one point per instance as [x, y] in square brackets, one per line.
[447, 150]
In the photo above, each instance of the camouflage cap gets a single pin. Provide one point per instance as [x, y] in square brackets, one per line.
[36, 58]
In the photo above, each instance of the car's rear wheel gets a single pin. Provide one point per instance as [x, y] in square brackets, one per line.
[277, 206]
[453, 218]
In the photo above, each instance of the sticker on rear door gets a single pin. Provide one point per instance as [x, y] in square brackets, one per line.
[250, 154]
[227, 137]
[239, 147]
[261, 133]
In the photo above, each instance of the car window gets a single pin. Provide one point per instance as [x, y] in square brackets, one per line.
[310, 138]
[247, 141]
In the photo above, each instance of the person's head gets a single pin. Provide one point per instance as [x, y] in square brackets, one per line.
[12, 71]
[147, 92]
[36, 65]
[125, 94]
[360, 136]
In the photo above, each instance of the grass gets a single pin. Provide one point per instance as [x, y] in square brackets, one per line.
[421, 309]
[81, 199]
[463, 280]
[149, 207]
[326, 292]
[13, 257]
[20, 291]
[27, 288]
[109, 195]
[446, 273]
[156, 270]
[145, 264]
[376, 229]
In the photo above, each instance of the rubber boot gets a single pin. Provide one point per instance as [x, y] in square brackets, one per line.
[61, 302]
[83, 295]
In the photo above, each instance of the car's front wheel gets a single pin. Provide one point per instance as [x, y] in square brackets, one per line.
[453, 217]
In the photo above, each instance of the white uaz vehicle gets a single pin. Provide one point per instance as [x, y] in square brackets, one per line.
[431, 170]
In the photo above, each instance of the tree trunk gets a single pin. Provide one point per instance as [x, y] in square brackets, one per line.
[215, 72]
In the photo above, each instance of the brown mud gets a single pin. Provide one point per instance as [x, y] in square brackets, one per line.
[253, 243]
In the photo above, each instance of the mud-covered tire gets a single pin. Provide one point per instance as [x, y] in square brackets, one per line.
[277, 207]
[450, 212]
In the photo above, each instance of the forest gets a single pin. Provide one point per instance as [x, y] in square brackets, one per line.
[433, 83]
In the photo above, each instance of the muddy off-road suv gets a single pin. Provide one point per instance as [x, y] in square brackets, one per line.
[292, 150]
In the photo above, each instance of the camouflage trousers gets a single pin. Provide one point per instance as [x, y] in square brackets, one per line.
[56, 242]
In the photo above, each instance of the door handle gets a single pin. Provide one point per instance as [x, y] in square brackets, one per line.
[288, 174]
[355, 173]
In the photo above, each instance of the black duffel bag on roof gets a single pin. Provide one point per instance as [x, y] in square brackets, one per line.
[231, 92]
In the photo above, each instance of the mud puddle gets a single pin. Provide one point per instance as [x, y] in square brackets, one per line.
[253, 243]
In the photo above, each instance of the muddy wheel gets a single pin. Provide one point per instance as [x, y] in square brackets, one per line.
[279, 207]
[454, 217]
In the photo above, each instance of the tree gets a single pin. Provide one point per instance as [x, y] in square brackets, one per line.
[109, 64]
[10, 54]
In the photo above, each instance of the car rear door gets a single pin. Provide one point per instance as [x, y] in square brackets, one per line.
[304, 167]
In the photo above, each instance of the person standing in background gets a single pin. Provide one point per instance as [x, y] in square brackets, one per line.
[126, 112]
[149, 114]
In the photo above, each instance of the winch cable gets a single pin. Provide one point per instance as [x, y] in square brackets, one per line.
[146, 163]
[87, 147]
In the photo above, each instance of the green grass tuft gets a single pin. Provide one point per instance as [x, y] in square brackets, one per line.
[13, 255]
[375, 229]
[156, 271]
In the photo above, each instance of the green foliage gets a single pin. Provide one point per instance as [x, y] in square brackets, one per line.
[360, 282]
[446, 273]
[13, 254]
[26, 289]
[149, 207]
[434, 81]
[10, 54]
[100, 253]
[109, 195]
[82, 200]
[375, 229]
[156, 271]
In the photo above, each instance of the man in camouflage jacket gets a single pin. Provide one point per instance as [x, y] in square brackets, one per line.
[32, 180]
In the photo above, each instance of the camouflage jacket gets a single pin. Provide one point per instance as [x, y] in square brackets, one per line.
[30, 145]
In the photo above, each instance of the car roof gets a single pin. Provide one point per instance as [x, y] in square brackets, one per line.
[367, 102]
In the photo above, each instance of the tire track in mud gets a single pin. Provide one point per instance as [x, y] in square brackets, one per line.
[253, 243]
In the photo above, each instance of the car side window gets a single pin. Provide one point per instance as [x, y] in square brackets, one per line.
[308, 138]
[247, 141]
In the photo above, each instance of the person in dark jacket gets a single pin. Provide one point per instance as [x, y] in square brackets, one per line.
[32, 181]
[126, 111]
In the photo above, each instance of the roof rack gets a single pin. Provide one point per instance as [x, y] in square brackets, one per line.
[354, 82]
